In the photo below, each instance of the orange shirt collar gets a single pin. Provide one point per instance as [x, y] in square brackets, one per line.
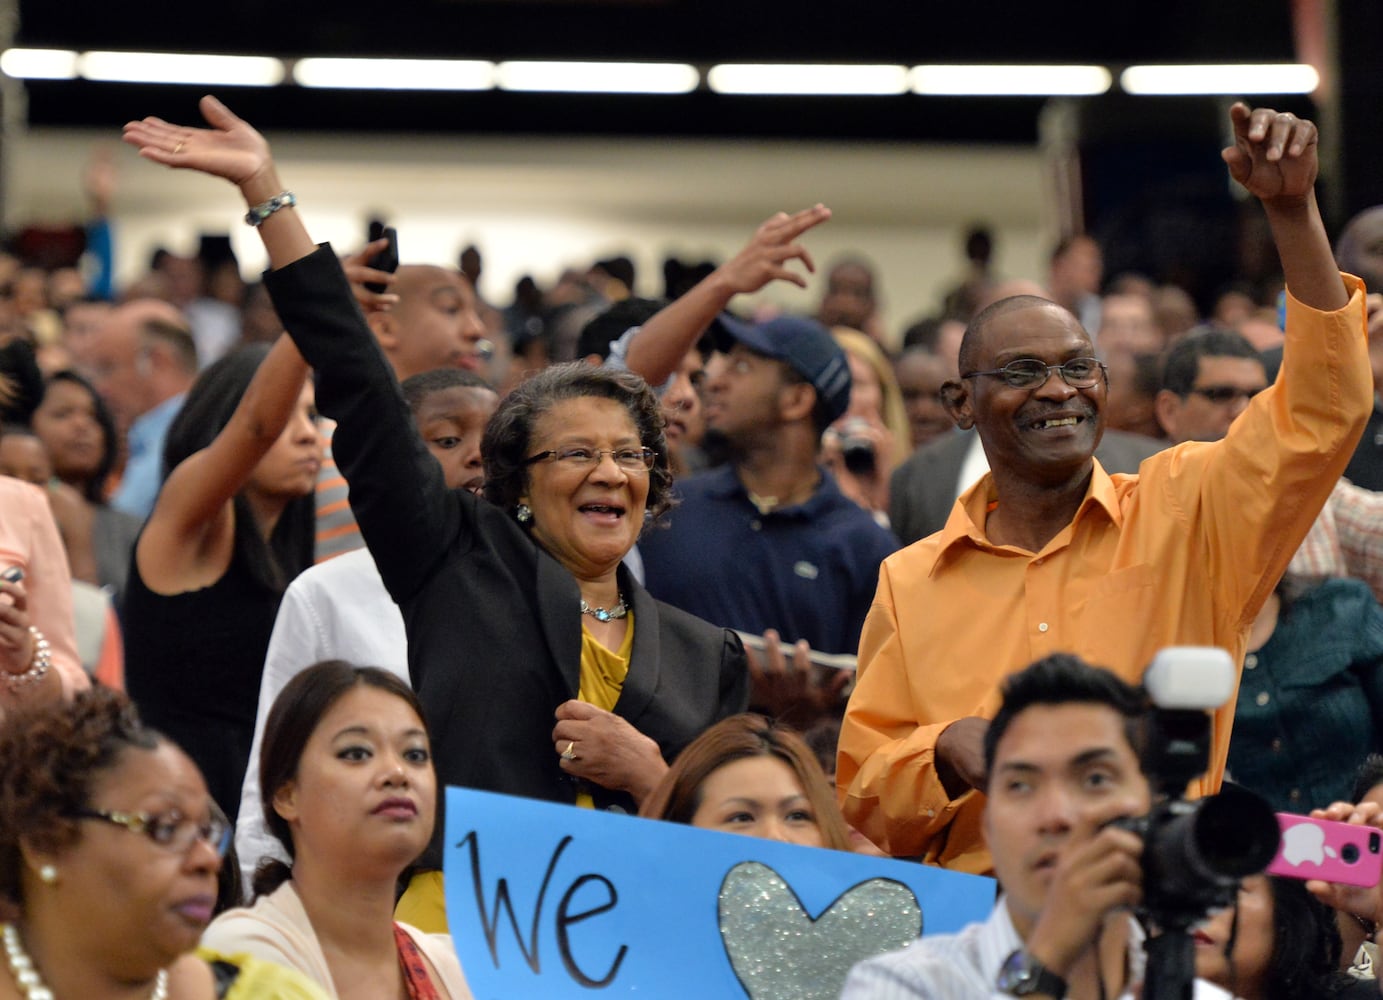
[965, 527]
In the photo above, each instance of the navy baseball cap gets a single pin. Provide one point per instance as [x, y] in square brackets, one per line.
[803, 344]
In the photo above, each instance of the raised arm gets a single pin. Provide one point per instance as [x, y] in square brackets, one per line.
[659, 347]
[231, 149]
[188, 539]
[1259, 490]
[405, 512]
[1274, 157]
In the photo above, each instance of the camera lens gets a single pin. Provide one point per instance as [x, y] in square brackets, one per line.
[1349, 854]
[1373, 842]
[856, 447]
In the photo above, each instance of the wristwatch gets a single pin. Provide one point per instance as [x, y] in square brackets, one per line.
[1021, 975]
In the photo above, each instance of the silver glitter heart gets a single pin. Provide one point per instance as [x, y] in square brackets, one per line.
[779, 952]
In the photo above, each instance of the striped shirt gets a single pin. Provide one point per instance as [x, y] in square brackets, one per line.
[965, 966]
[337, 532]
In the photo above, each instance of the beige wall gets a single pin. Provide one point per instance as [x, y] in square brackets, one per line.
[539, 205]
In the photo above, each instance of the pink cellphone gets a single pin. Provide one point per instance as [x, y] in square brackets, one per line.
[1330, 851]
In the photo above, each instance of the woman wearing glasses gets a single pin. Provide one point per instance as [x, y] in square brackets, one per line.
[348, 787]
[109, 849]
[543, 668]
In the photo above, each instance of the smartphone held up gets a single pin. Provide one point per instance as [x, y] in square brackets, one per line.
[1332, 852]
[386, 259]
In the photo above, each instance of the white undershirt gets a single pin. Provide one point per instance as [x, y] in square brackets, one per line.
[973, 468]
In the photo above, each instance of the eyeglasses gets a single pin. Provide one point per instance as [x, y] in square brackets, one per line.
[1221, 394]
[628, 459]
[171, 829]
[1029, 373]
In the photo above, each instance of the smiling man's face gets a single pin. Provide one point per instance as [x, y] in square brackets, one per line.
[1044, 434]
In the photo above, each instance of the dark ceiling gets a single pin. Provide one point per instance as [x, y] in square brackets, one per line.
[704, 32]
[693, 30]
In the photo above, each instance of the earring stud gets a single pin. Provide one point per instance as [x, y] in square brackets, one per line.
[523, 513]
[48, 874]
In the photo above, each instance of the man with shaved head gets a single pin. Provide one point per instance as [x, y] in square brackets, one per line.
[433, 325]
[1049, 553]
[142, 361]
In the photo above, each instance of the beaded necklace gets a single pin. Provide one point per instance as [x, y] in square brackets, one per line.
[22, 968]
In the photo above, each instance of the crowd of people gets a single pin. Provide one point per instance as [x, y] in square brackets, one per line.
[279, 562]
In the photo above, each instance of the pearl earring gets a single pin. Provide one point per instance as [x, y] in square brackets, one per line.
[48, 874]
[523, 513]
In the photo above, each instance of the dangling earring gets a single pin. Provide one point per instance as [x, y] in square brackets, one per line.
[523, 513]
[48, 874]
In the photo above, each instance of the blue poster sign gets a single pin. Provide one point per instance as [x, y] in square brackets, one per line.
[556, 902]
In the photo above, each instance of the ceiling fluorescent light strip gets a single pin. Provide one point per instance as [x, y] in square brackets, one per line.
[597, 77]
[39, 64]
[1263, 78]
[655, 78]
[395, 74]
[1009, 80]
[808, 80]
[181, 68]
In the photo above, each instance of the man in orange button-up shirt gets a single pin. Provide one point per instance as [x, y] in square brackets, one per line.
[1049, 553]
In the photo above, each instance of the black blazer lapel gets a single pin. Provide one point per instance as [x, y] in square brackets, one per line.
[559, 599]
[644, 665]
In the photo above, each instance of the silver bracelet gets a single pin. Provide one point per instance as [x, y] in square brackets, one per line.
[38, 663]
[262, 211]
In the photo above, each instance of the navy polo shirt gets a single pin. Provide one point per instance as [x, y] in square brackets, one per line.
[809, 570]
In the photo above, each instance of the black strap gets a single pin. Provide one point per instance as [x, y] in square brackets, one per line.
[223, 975]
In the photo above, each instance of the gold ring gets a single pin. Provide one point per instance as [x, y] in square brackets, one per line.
[570, 752]
[178, 148]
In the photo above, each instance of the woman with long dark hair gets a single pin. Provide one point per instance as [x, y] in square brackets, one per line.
[78, 431]
[231, 528]
[348, 788]
[1277, 942]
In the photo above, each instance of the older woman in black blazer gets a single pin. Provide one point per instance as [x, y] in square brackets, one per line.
[544, 668]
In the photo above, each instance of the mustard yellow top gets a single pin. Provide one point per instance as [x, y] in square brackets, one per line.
[603, 670]
[602, 678]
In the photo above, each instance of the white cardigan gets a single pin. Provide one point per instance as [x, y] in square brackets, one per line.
[276, 928]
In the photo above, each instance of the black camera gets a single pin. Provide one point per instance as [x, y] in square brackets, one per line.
[1194, 852]
[857, 448]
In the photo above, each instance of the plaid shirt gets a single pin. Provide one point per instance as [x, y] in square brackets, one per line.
[1347, 538]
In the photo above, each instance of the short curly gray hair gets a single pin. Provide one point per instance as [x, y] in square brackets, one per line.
[508, 436]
